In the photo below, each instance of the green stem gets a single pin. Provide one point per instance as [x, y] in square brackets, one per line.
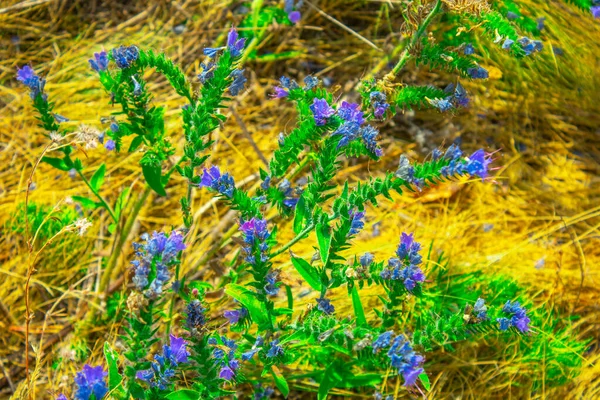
[104, 203]
[405, 56]
[292, 242]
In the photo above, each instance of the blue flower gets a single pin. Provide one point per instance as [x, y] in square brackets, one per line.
[369, 138]
[405, 268]
[195, 318]
[223, 184]
[530, 46]
[348, 131]
[226, 373]
[212, 52]
[233, 316]
[59, 118]
[235, 45]
[110, 145]
[504, 323]
[239, 80]
[271, 287]
[383, 341]
[310, 82]
[137, 88]
[280, 92]
[99, 62]
[255, 236]
[288, 83]
[441, 104]
[366, 259]
[477, 164]
[480, 309]
[90, 381]
[325, 306]
[460, 97]
[114, 127]
[249, 354]
[405, 360]
[453, 152]
[162, 370]
[478, 73]
[125, 56]
[294, 17]
[511, 15]
[356, 222]
[286, 189]
[468, 50]
[208, 71]
[321, 111]
[595, 11]
[263, 393]
[27, 76]
[507, 43]
[379, 104]
[436, 154]
[519, 318]
[275, 350]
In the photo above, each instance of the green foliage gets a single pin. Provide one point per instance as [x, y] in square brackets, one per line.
[416, 96]
[44, 220]
[436, 56]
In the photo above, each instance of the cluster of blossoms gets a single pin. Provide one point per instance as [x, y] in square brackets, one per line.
[529, 46]
[356, 222]
[163, 368]
[124, 56]
[518, 319]
[255, 236]
[221, 183]
[225, 358]
[457, 98]
[274, 349]
[285, 188]
[405, 267]
[474, 165]
[90, 381]
[109, 144]
[195, 316]
[595, 8]
[402, 356]
[324, 305]
[480, 309]
[261, 393]
[235, 46]
[156, 255]
[100, 61]
[379, 103]
[291, 8]
[27, 76]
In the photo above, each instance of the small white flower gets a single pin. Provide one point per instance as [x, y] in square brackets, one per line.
[82, 224]
[55, 136]
[88, 135]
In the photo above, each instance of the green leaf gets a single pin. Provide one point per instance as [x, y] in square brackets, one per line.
[257, 310]
[57, 163]
[308, 272]
[86, 203]
[301, 214]
[98, 178]
[112, 360]
[121, 201]
[184, 394]
[425, 381]
[135, 143]
[358, 308]
[282, 311]
[328, 382]
[324, 238]
[280, 381]
[152, 172]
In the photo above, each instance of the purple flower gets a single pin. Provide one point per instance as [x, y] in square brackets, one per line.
[286, 189]
[321, 111]
[468, 50]
[90, 381]
[99, 62]
[325, 306]
[61, 397]
[207, 73]
[239, 80]
[271, 287]
[310, 82]
[405, 360]
[125, 56]
[356, 222]
[275, 350]
[595, 11]
[235, 45]
[382, 341]
[195, 318]
[177, 350]
[519, 318]
[477, 164]
[294, 17]
[348, 131]
[366, 259]
[162, 370]
[212, 52]
[109, 145]
[369, 138]
[480, 309]
[351, 112]
[280, 92]
[255, 236]
[223, 184]
[234, 315]
[27, 76]
[226, 373]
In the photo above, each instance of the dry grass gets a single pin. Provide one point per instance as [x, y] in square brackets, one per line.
[543, 113]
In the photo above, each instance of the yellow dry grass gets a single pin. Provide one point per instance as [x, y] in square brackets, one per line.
[543, 113]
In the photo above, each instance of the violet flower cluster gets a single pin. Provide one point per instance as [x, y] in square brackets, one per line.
[379, 104]
[124, 56]
[405, 267]
[475, 165]
[221, 183]
[156, 255]
[291, 8]
[91, 381]
[457, 98]
[401, 355]
[255, 237]
[162, 370]
[225, 358]
[27, 76]
[518, 317]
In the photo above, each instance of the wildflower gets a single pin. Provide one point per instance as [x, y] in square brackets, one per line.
[99, 62]
[405, 360]
[478, 73]
[162, 369]
[539, 264]
[405, 268]
[468, 50]
[91, 380]
[477, 164]
[369, 138]
[321, 111]
[286, 189]
[55, 136]
[530, 46]
[235, 45]
[453, 152]
[460, 98]
[351, 112]
[207, 72]
[195, 318]
[263, 393]
[223, 184]
[310, 82]
[288, 83]
[405, 171]
[82, 225]
[88, 135]
[61, 397]
[156, 254]
[27, 76]
[275, 350]
[512, 16]
[348, 131]
[382, 341]
[109, 145]
[239, 80]
[379, 104]
[280, 92]
[441, 104]
[271, 287]
[356, 222]
[125, 56]
[294, 17]
[226, 373]
[436, 154]
[233, 316]
[255, 236]
[507, 43]
[366, 259]
[519, 318]
[290, 7]
[595, 11]
[212, 52]
[59, 118]
[325, 306]
[480, 309]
